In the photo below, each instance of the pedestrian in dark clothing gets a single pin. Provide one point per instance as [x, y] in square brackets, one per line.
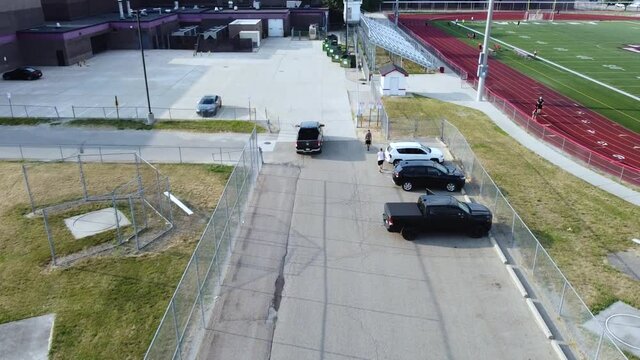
[367, 139]
[539, 104]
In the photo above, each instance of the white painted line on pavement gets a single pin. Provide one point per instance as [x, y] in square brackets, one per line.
[536, 314]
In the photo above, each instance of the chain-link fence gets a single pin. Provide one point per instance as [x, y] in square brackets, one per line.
[190, 309]
[90, 208]
[121, 153]
[585, 334]
[226, 112]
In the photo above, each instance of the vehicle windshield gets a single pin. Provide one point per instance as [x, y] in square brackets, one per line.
[30, 69]
[426, 150]
[308, 133]
[440, 167]
[464, 207]
[207, 101]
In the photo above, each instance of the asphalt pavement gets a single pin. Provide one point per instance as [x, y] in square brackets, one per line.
[315, 275]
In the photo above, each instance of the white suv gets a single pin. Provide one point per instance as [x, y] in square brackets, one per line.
[399, 151]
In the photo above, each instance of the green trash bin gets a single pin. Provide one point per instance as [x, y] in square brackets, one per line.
[337, 56]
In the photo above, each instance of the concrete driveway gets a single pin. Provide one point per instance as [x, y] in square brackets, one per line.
[313, 248]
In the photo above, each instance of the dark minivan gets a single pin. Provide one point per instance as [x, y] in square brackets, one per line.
[310, 137]
[427, 173]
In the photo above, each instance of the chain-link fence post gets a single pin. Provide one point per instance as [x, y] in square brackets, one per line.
[26, 183]
[175, 324]
[133, 222]
[49, 237]
[82, 179]
[115, 210]
[168, 198]
[199, 283]
[535, 258]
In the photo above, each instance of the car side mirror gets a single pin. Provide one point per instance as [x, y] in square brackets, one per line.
[297, 126]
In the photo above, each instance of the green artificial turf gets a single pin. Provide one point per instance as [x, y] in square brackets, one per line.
[592, 48]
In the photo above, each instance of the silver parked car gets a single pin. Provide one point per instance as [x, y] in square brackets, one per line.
[209, 105]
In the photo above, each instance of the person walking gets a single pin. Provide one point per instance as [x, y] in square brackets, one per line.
[380, 159]
[367, 139]
[539, 104]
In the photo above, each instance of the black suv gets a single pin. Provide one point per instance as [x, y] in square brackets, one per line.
[427, 173]
[310, 137]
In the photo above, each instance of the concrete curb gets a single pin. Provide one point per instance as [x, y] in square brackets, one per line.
[516, 280]
[498, 250]
[536, 314]
[556, 347]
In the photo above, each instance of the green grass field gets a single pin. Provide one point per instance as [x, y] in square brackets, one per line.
[592, 48]
[106, 307]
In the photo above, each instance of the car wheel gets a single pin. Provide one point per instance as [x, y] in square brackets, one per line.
[478, 232]
[396, 162]
[451, 187]
[408, 233]
[407, 186]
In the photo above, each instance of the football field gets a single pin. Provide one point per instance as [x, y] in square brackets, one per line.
[606, 51]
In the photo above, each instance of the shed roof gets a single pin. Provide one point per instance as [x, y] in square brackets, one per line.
[391, 68]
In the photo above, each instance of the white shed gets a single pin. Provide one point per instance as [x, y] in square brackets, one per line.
[393, 80]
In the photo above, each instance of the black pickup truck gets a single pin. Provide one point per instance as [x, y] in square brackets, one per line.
[437, 212]
[310, 137]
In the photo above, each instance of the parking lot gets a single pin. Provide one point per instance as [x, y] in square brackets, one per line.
[288, 80]
[353, 290]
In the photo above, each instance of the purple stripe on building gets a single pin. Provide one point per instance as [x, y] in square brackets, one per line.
[5, 39]
[85, 31]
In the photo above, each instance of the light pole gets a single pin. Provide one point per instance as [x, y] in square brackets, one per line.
[483, 68]
[150, 118]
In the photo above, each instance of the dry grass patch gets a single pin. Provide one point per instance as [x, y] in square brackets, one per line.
[107, 307]
[577, 223]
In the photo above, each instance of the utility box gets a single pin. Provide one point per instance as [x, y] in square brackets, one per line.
[253, 35]
[244, 25]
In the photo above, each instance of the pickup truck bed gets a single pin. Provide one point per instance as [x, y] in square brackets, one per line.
[404, 209]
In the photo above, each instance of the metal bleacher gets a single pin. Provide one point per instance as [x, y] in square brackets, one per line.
[383, 33]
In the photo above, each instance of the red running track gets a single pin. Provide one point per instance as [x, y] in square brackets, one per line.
[615, 144]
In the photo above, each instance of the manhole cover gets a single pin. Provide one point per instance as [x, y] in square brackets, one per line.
[267, 142]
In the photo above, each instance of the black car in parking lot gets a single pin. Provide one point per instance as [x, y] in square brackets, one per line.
[427, 173]
[310, 137]
[22, 73]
